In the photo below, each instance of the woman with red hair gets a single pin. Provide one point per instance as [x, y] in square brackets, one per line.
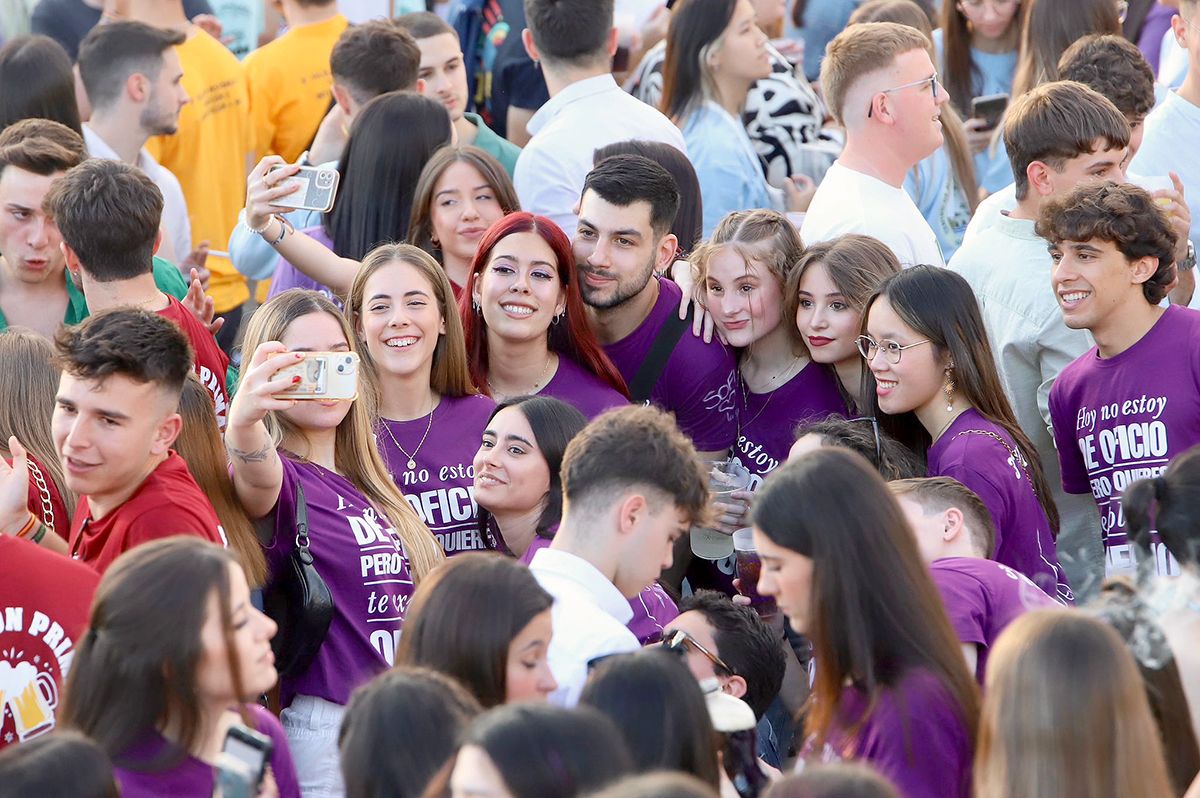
[524, 320]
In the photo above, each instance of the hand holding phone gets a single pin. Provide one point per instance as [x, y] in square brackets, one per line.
[316, 188]
[990, 108]
[322, 376]
[243, 762]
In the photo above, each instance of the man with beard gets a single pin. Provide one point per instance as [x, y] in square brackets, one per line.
[624, 237]
[134, 80]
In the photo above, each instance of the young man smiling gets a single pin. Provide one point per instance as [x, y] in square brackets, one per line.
[1128, 405]
[115, 419]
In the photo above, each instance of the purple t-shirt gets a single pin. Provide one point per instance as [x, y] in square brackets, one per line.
[442, 486]
[915, 737]
[990, 468]
[652, 608]
[577, 386]
[698, 383]
[361, 560]
[1123, 418]
[981, 598]
[288, 276]
[768, 420]
[193, 778]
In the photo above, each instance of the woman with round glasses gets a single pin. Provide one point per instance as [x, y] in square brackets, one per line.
[931, 367]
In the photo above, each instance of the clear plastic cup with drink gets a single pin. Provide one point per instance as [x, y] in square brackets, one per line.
[725, 477]
[747, 568]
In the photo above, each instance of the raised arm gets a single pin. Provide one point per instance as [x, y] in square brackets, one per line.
[307, 255]
[257, 470]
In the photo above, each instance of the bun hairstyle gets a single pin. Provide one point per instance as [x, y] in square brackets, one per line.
[1169, 504]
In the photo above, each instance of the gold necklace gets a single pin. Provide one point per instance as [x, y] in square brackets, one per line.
[412, 458]
[540, 380]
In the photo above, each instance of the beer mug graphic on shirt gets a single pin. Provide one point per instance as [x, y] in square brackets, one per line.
[31, 695]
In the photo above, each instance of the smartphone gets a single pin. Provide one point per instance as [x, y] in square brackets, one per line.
[323, 375]
[249, 749]
[317, 189]
[989, 108]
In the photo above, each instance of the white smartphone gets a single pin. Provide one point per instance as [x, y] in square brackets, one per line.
[317, 189]
[323, 376]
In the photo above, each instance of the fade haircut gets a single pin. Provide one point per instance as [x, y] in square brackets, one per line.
[1058, 121]
[938, 494]
[860, 50]
[745, 643]
[570, 31]
[623, 180]
[1122, 214]
[375, 58]
[110, 53]
[634, 447]
[425, 25]
[1114, 67]
[109, 213]
[143, 346]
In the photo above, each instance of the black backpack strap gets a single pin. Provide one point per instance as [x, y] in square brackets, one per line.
[643, 382]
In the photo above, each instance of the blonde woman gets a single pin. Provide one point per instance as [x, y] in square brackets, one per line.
[1065, 713]
[366, 543]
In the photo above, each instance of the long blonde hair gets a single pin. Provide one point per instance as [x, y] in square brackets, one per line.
[356, 455]
[450, 375]
[31, 384]
[1065, 713]
[199, 444]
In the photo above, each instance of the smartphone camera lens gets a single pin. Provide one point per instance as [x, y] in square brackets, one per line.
[324, 178]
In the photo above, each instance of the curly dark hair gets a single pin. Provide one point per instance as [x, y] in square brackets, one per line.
[1113, 66]
[1122, 214]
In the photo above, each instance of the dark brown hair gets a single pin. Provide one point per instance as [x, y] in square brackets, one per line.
[63, 763]
[400, 729]
[634, 447]
[200, 445]
[36, 80]
[56, 132]
[938, 494]
[135, 670]
[1168, 505]
[864, 436]
[374, 58]
[697, 27]
[109, 213]
[834, 780]
[40, 156]
[958, 67]
[420, 225]
[110, 53]
[875, 615]
[1049, 27]
[1056, 122]
[688, 226]
[143, 346]
[1121, 214]
[1114, 67]
[500, 597]
[570, 32]
[425, 25]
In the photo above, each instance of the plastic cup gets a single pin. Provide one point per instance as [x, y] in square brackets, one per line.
[747, 568]
[1152, 183]
[725, 477]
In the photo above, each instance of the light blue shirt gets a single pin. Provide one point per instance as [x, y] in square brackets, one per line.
[726, 164]
[940, 198]
[250, 253]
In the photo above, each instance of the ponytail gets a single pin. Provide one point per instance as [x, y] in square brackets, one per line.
[1169, 505]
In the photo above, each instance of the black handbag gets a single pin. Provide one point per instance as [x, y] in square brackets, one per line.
[300, 603]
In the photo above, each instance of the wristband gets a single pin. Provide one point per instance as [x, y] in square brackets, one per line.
[28, 527]
[285, 227]
[36, 537]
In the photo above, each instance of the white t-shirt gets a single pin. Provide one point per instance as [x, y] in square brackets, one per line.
[852, 202]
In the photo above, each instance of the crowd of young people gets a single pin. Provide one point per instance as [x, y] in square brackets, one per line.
[601, 397]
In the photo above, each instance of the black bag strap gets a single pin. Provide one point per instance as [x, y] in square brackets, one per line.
[302, 524]
[643, 382]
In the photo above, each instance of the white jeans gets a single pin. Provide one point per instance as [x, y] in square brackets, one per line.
[311, 725]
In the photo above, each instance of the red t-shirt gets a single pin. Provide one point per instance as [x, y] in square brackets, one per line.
[167, 503]
[211, 362]
[44, 604]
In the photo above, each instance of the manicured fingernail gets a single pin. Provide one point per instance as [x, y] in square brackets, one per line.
[295, 379]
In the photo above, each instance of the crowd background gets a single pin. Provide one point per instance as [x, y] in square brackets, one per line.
[599, 398]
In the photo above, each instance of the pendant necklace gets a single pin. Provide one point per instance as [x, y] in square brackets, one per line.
[412, 458]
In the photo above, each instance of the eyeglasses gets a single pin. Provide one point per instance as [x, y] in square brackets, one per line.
[679, 641]
[867, 347]
[878, 441]
[932, 80]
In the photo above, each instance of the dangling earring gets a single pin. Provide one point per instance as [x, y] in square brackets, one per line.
[948, 388]
[475, 305]
[558, 316]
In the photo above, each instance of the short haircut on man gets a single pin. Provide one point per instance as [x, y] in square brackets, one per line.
[939, 494]
[56, 132]
[745, 643]
[110, 53]
[425, 25]
[860, 50]
[571, 32]
[1121, 214]
[1058, 121]
[142, 346]
[1114, 67]
[374, 58]
[41, 156]
[634, 447]
[109, 213]
[623, 180]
